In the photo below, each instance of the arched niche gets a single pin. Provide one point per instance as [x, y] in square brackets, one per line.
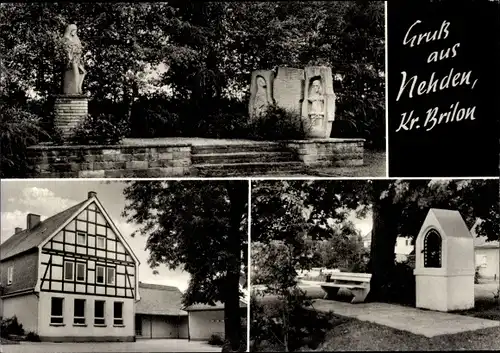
[433, 249]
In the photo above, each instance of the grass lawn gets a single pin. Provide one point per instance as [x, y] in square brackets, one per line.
[355, 335]
[348, 334]
[484, 308]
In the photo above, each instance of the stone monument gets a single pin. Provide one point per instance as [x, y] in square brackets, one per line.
[444, 262]
[308, 93]
[71, 107]
[260, 92]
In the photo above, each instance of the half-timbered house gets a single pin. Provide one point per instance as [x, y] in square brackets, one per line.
[72, 277]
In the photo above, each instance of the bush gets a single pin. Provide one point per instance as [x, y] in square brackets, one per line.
[11, 326]
[277, 124]
[400, 287]
[153, 117]
[32, 337]
[103, 129]
[303, 327]
[19, 129]
[215, 340]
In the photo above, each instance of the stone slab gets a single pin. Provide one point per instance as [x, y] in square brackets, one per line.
[288, 89]
[420, 322]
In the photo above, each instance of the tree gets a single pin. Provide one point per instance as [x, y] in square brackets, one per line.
[201, 227]
[398, 209]
[209, 50]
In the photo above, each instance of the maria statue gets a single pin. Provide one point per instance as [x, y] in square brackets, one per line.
[260, 103]
[317, 100]
[74, 72]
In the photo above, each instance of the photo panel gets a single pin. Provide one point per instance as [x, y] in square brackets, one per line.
[156, 265]
[404, 261]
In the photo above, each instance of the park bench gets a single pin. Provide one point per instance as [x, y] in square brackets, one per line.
[357, 283]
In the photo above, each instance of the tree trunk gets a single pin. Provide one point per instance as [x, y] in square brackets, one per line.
[384, 234]
[238, 195]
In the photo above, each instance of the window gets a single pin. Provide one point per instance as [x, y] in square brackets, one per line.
[10, 275]
[432, 249]
[101, 242]
[99, 313]
[68, 270]
[56, 311]
[407, 241]
[118, 313]
[80, 272]
[79, 312]
[81, 238]
[100, 274]
[110, 276]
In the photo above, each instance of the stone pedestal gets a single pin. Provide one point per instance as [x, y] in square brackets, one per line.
[333, 152]
[70, 111]
[444, 263]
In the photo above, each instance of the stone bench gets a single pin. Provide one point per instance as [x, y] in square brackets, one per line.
[357, 283]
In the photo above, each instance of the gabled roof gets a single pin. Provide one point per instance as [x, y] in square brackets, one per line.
[451, 222]
[159, 300]
[32, 238]
[217, 306]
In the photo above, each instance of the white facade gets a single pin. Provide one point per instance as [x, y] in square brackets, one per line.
[488, 261]
[86, 283]
[444, 263]
[403, 248]
[203, 324]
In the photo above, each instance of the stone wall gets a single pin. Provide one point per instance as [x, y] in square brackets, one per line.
[120, 161]
[333, 152]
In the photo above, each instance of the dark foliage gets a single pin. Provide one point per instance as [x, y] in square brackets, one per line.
[99, 130]
[19, 129]
[11, 326]
[32, 337]
[215, 340]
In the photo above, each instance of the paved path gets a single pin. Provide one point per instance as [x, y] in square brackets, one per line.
[420, 322]
[159, 345]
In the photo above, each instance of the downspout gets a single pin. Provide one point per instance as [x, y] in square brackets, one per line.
[151, 326]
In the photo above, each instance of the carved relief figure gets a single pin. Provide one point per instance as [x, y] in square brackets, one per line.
[317, 101]
[260, 102]
[74, 72]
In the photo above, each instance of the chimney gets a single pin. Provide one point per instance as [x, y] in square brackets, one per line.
[18, 230]
[92, 194]
[32, 220]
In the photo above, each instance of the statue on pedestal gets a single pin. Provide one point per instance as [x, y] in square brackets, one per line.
[74, 71]
[317, 101]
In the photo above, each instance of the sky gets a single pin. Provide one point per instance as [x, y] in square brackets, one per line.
[48, 197]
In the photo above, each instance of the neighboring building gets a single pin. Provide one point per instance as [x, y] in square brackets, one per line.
[367, 240]
[159, 313]
[72, 277]
[487, 256]
[403, 248]
[205, 320]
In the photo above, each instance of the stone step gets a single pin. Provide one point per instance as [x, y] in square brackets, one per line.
[243, 157]
[248, 169]
[257, 147]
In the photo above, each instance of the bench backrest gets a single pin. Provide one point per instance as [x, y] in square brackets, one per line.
[354, 277]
